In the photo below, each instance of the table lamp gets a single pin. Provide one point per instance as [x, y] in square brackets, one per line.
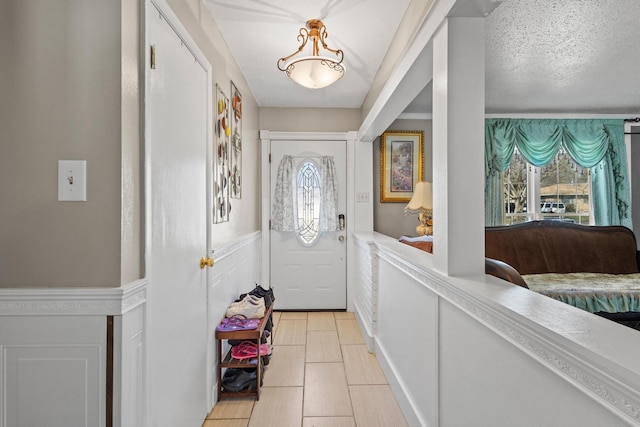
[422, 203]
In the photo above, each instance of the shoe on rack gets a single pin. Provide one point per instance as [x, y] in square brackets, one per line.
[249, 350]
[267, 294]
[244, 298]
[245, 380]
[250, 307]
[252, 294]
[230, 374]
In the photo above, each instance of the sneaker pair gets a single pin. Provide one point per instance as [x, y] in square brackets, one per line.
[250, 306]
[261, 292]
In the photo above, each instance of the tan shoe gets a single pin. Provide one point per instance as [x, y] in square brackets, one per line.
[251, 308]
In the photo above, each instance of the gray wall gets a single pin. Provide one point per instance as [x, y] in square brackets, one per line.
[70, 85]
[60, 77]
[245, 212]
[309, 119]
[389, 218]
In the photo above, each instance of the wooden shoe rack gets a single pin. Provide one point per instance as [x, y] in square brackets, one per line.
[254, 335]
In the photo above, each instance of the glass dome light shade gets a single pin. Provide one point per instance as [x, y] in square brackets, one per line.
[314, 72]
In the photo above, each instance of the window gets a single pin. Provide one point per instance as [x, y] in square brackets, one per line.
[560, 190]
[308, 202]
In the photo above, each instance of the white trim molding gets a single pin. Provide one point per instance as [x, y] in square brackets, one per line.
[589, 358]
[226, 249]
[266, 137]
[580, 366]
[72, 301]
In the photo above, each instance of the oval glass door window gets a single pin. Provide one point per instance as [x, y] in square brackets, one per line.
[308, 203]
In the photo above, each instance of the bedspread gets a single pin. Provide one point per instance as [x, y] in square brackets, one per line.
[593, 292]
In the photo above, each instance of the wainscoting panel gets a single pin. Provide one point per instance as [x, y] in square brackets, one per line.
[55, 356]
[365, 289]
[53, 371]
[461, 351]
[129, 369]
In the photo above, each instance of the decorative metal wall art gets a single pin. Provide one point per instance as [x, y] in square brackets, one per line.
[235, 149]
[221, 171]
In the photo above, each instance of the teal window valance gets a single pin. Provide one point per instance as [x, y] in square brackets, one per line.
[595, 144]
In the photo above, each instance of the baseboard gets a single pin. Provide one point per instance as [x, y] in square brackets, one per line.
[367, 333]
[398, 389]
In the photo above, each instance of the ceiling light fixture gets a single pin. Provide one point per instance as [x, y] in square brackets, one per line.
[313, 71]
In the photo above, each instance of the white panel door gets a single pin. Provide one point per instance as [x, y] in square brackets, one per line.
[310, 277]
[176, 178]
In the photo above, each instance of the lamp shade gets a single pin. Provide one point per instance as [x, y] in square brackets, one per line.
[422, 198]
[314, 72]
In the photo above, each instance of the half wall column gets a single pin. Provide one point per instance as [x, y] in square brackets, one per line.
[458, 141]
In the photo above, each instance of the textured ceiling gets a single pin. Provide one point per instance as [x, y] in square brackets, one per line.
[563, 55]
[551, 56]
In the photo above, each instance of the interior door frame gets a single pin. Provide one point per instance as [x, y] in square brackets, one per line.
[167, 13]
[266, 137]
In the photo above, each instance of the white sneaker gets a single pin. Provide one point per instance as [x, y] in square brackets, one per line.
[251, 308]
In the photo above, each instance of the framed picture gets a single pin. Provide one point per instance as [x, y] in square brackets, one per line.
[400, 165]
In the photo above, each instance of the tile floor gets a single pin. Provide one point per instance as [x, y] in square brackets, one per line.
[320, 375]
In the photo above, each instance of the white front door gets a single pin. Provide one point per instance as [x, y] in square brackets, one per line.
[176, 145]
[309, 276]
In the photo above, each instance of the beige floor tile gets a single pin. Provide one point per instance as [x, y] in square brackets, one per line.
[232, 408]
[286, 367]
[276, 318]
[323, 346]
[226, 423]
[325, 391]
[361, 366]
[328, 422]
[375, 406]
[291, 332]
[327, 400]
[293, 315]
[278, 407]
[321, 321]
[344, 315]
[349, 331]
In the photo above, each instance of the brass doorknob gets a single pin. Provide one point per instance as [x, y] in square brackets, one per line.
[206, 261]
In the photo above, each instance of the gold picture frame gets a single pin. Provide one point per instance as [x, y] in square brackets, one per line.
[400, 165]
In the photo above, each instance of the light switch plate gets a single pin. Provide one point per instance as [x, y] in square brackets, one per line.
[72, 180]
[362, 197]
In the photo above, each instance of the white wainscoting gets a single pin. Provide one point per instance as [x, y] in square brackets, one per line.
[51, 376]
[365, 289]
[53, 345]
[53, 353]
[477, 351]
[236, 270]
[129, 368]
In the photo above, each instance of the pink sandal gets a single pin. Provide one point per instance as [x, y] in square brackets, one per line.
[248, 350]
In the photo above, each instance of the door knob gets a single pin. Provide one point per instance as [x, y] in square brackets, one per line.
[341, 238]
[206, 261]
